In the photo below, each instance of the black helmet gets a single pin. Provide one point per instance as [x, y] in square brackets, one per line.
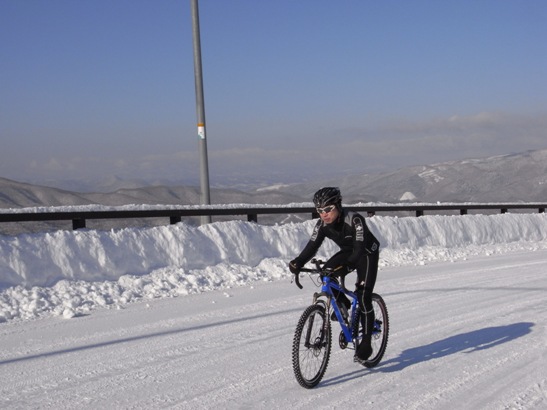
[327, 196]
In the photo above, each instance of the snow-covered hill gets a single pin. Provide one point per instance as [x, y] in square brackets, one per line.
[15, 194]
[506, 178]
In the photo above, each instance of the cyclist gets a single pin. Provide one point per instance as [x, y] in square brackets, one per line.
[359, 249]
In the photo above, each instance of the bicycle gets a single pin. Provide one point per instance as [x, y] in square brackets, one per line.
[312, 341]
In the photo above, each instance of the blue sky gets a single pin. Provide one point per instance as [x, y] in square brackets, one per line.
[293, 88]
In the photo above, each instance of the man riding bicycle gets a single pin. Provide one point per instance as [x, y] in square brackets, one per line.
[359, 249]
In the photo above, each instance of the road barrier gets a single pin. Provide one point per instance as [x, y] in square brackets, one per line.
[175, 215]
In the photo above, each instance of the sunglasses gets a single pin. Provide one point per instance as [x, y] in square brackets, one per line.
[326, 209]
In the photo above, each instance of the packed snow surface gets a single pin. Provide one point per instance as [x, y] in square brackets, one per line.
[202, 317]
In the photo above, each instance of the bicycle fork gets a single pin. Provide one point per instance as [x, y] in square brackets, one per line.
[349, 326]
[319, 342]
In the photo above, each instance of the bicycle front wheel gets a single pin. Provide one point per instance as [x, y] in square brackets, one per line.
[311, 346]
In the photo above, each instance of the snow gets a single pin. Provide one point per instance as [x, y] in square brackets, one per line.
[182, 316]
[69, 273]
[408, 196]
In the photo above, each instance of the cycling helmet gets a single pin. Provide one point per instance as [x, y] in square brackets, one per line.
[327, 196]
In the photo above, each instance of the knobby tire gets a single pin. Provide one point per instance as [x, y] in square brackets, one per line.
[380, 333]
[311, 347]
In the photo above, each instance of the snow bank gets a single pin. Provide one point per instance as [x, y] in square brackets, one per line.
[67, 273]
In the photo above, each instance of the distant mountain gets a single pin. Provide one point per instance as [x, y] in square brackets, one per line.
[15, 194]
[505, 178]
[109, 184]
[19, 195]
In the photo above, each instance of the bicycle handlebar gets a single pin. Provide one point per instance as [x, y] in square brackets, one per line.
[297, 276]
[312, 270]
[319, 270]
[297, 281]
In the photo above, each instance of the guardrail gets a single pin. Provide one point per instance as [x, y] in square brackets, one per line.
[175, 215]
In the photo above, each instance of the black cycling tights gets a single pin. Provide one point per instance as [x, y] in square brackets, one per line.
[367, 270]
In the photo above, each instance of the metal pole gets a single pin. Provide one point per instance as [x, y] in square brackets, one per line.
[200, 107]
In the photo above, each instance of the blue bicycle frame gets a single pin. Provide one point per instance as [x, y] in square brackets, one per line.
[327, 290]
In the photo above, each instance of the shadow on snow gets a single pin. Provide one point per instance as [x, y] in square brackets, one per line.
[469, 342]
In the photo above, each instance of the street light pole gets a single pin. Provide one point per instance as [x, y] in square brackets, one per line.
[200, 107]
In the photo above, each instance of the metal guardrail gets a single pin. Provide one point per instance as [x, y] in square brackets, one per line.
[79, 218]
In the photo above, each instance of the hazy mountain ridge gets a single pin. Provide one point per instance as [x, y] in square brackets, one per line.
[19, 195]
[15, 194]
[505, 178]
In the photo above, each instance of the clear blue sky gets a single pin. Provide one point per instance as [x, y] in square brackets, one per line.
[293, 89]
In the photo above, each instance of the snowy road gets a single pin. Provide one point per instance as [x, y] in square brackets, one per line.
[464, 335]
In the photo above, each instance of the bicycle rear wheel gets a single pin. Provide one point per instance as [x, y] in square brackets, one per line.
[311, 346]
[380, 332]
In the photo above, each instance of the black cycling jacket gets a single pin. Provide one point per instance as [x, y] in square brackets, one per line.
[350, 232]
